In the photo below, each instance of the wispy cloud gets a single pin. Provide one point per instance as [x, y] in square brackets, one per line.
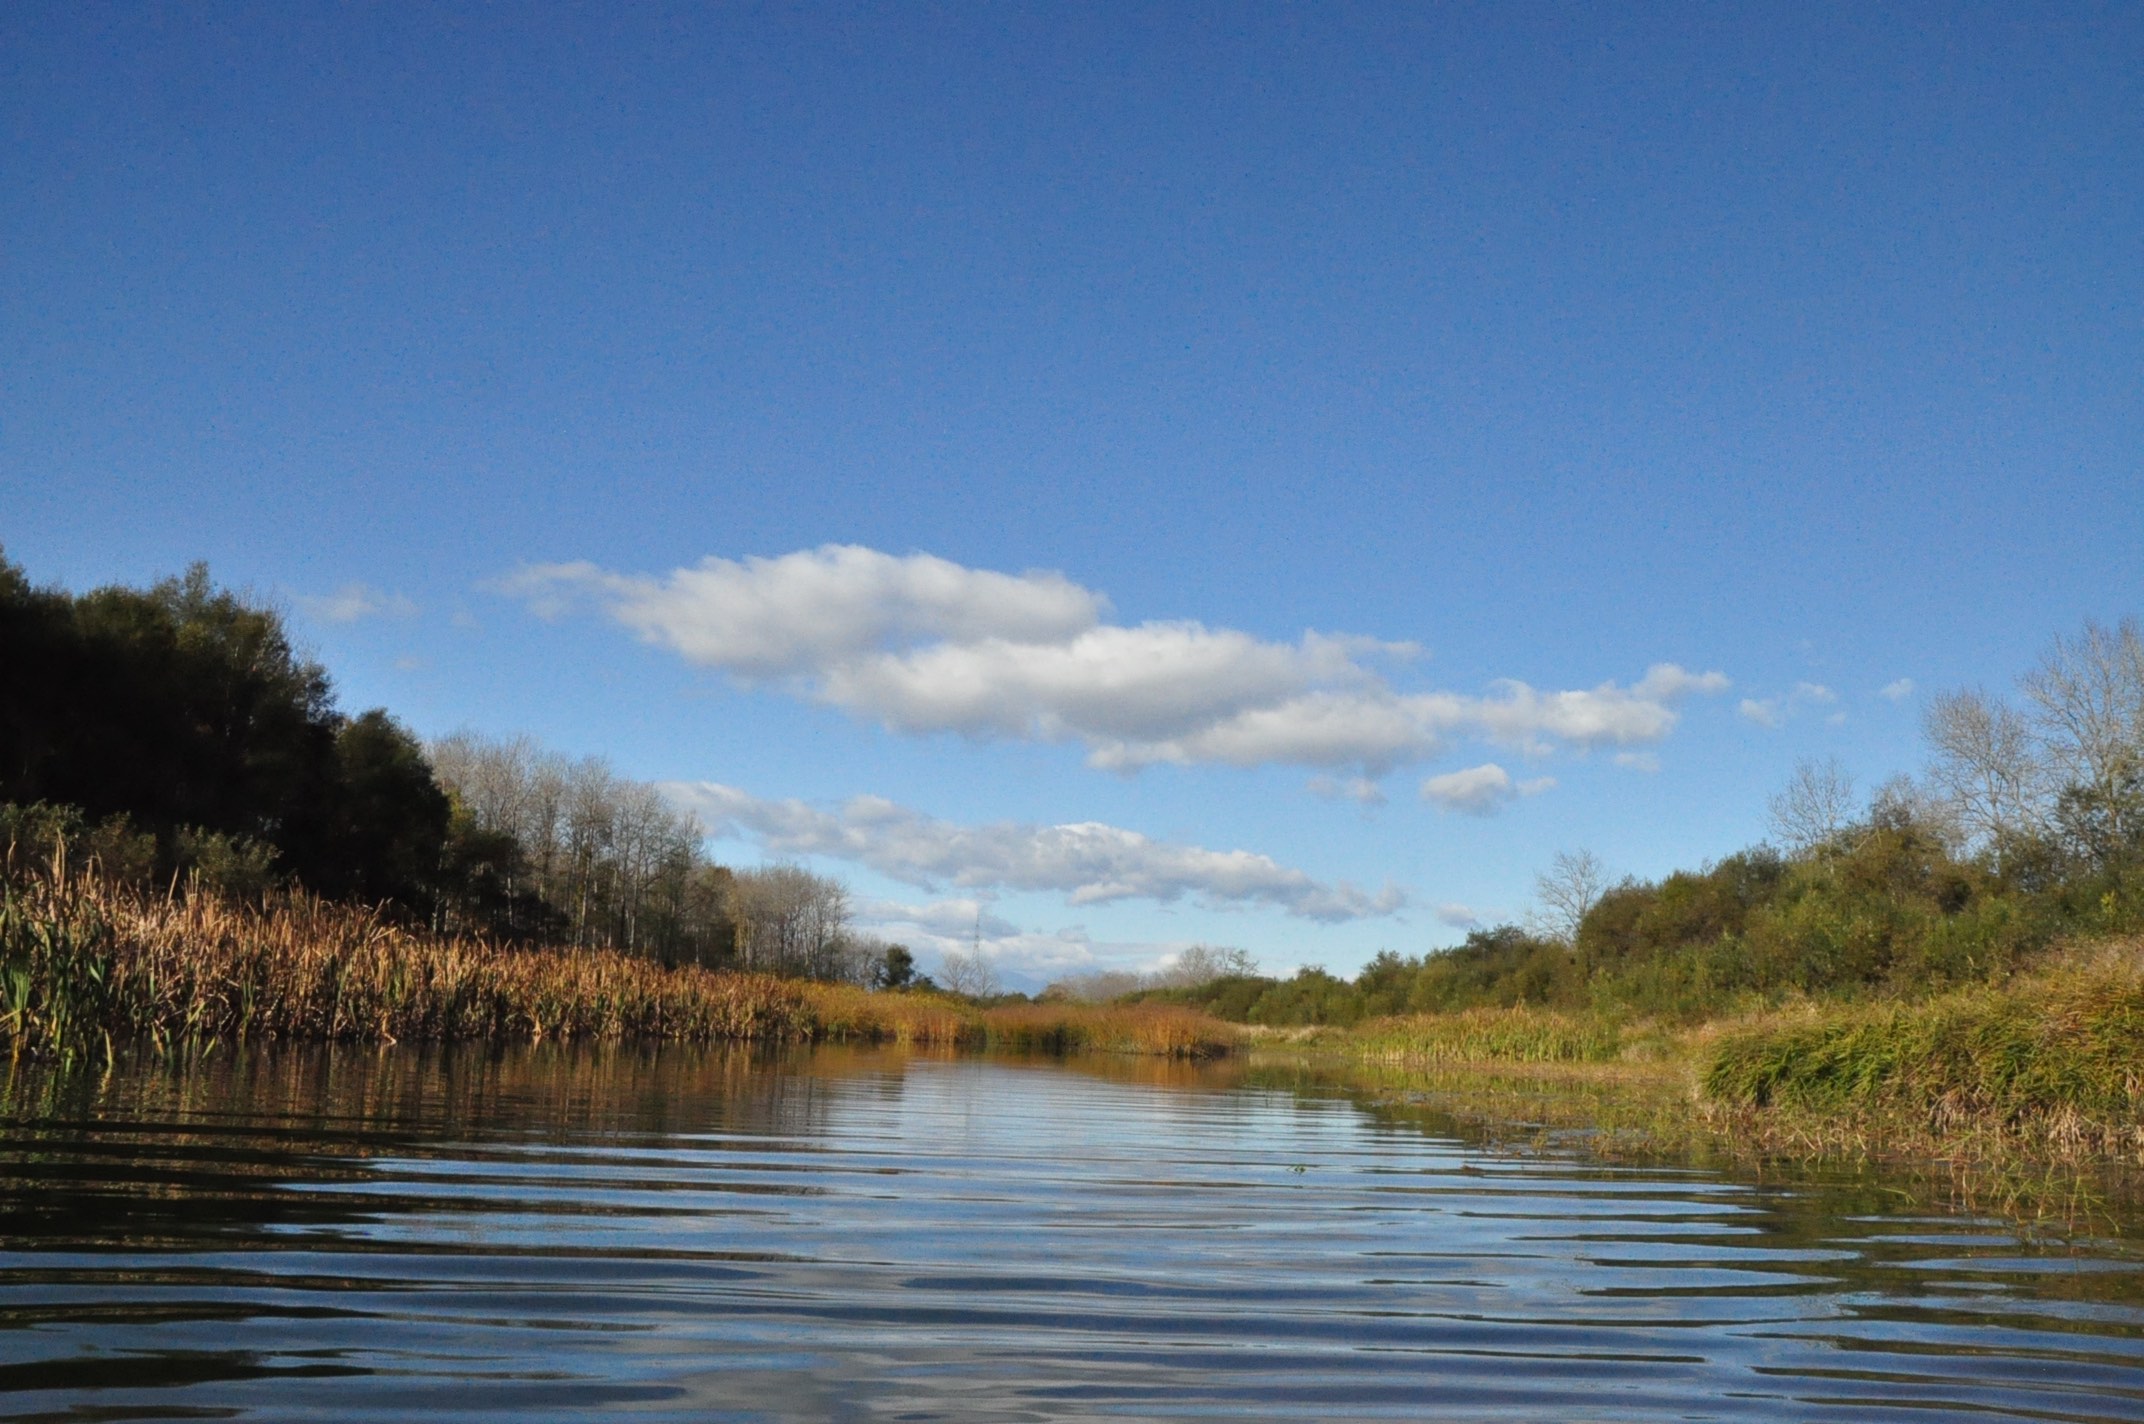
[1458, 916]
[1769, 712]
[1481, 790]
[922, 645]
[1087, 862]
[1638, 761]
[1897, 691]
[955, 919]
[355, 601]
[1362, 790]
[1778, 711]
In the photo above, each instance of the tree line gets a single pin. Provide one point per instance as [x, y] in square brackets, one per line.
[176, 735]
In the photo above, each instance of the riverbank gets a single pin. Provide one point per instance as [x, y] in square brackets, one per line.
[88, 968]
[2045, 1067]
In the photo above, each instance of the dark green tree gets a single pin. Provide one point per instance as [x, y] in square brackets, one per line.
[386, 825]
[896, 969]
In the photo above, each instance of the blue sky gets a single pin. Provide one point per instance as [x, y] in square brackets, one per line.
[1154, 422]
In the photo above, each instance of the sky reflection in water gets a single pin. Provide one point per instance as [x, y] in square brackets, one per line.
[860, 1235]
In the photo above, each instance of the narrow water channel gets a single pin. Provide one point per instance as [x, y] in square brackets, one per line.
[851, 1235]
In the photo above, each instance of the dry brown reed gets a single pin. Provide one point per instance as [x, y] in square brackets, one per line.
[1167, 1030]
[86, 964]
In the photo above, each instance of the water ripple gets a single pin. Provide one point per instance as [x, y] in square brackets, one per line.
[868, 1236]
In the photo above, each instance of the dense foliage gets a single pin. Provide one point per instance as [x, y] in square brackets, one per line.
[181, 722]
[1883, 909]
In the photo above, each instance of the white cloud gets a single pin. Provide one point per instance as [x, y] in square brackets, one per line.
[1458, 916]
[819, 608]
[1087, 862]
[956, 919]
[1105, 686]
[924, 646]
[1778, 711]
[1360, 789]
[1767, 713]
[1638, 761]
[355, 601]
[1666, 682]
[1480, 790]
[1023, 959]
[1897, 691]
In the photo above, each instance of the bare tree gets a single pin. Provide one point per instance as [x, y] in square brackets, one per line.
[790, 921]
[1572, 885]
[1815, 805]
[1098, 986]
[1201, 964]
[1901, 802]
[968, 973]
[619, 866]
[1987, 765]
[2087, 699]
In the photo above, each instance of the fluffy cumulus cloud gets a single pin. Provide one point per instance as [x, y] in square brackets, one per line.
[808, 612]
[1088, 863]
[1481, 790]
[923, 646]
[354, 602]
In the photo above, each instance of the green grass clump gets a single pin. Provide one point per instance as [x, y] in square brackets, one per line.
[2055, 1057]
[1513, 1035]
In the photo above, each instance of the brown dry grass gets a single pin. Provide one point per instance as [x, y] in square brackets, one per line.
[1167, 1030]
[85, 965]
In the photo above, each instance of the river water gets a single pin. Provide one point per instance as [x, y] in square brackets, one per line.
[854, 1235]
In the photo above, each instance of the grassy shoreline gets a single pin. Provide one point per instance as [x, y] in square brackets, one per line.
[87, 967]
[2045, 1067]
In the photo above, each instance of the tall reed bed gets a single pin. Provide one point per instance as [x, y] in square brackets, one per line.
[1167, 1030]
[845, 1013]
[86, 965]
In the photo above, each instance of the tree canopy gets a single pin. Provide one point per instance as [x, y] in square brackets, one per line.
[186, 709]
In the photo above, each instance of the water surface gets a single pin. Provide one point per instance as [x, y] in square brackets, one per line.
[851, 1235]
